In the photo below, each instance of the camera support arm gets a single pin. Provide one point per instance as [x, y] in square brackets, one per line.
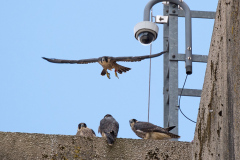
[188, 28]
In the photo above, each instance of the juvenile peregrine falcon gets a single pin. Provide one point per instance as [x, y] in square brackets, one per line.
[109, 128]
[108, 63]
[147, 130]
[84, 131]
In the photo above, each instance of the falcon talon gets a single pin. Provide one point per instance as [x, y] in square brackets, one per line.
[108, 75]
[116, 75]
[108, 63]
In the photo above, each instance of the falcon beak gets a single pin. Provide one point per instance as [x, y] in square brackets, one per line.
[130, 121]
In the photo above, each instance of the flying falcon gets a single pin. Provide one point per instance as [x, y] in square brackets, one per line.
[108, 63]
[109, 128]
[84, 131]
[147, 130]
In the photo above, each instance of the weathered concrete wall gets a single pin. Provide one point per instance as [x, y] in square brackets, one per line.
[217, 134]
[17, 146]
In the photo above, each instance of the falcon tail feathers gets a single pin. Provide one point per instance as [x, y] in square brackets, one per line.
[173, 135]
[170, 128]
[121, 69]
[110, 138]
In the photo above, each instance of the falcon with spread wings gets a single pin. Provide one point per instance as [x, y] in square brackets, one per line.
[84, 131]
[108, 63]
[148, 130]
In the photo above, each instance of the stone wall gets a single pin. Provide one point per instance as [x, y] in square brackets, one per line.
[217, 134]
[17, 146]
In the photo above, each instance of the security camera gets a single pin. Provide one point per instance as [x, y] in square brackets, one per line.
[146, 32]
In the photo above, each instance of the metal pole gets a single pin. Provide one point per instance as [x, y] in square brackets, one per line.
[173, 67]
[165, 70]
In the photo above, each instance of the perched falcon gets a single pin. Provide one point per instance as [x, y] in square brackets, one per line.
[109, 128]
[108, 63]
[84, 131]
[147, 130]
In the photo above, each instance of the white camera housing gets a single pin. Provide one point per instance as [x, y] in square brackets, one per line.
[146, 32]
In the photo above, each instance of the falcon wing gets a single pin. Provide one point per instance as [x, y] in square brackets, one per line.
[115, 128]
[93, 132]
[137, 58]
[82, 61]
[170, 128]
[109, 125]
[149, 127]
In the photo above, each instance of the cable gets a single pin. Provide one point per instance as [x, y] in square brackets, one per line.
[150, 69]
[180, 100]
[149, 90]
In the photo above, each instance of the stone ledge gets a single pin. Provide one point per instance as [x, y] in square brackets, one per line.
[44, 146]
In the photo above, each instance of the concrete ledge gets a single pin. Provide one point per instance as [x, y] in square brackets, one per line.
[42, 146]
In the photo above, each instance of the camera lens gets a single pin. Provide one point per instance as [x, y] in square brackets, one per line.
[145, 37]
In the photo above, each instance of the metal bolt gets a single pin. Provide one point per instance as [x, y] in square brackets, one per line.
[174, 5]
[167, 11]
[189, 48]
[173, 56]
[189, 58]
[173, 11]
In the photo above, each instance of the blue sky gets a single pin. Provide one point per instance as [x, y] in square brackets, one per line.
[41, 97]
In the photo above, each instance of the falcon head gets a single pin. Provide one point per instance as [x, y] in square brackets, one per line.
[104, 59]
[107, 116]
[82, 125]
[132, 122]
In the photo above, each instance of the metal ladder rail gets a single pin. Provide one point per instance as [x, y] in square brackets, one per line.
[170, 64]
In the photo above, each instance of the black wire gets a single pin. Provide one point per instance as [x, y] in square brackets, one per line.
[180, 100]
